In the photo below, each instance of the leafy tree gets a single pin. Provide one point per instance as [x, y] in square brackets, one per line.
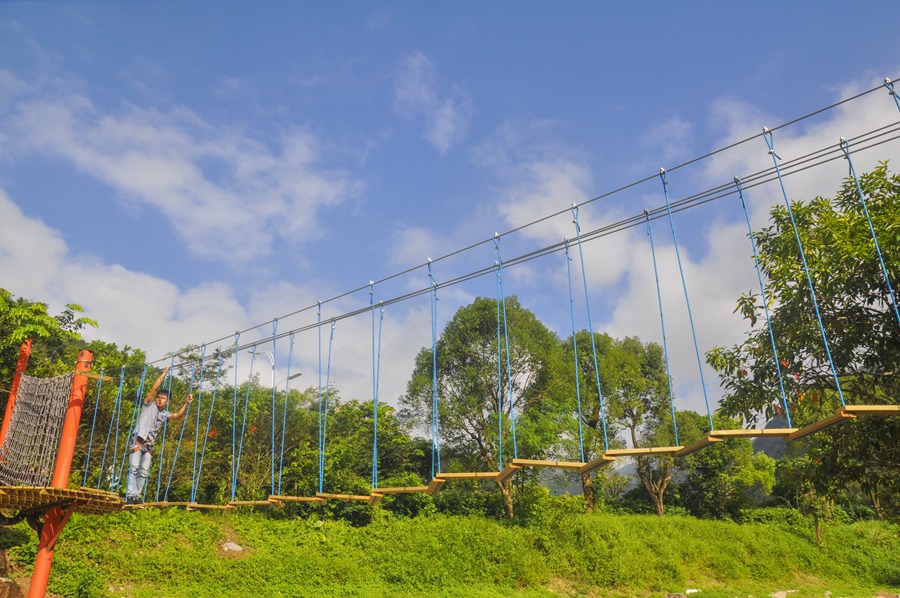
[635, 393]
[859, 320]
[21, 319]
[726, 476]
[467, 381]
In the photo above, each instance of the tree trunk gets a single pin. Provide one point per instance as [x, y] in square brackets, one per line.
[587, 488]
[876, 503]
[655, 482]
[658, 503]
[506, 489]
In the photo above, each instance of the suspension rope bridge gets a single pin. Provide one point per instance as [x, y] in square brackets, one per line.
[42, 418]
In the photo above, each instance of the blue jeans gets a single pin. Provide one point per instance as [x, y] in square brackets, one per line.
[138, 470]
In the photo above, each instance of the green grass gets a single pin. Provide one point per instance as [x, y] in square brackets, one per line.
[176, 553]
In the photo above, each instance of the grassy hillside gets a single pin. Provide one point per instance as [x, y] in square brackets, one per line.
[177, 553]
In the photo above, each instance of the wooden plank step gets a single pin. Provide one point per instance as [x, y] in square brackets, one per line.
[250, 503]
[596, 463]
[696, 446]
[400, 490]
[328, 495]
[872, 409]
[197, 506]
[752, 433]
[475, 475]
[375, 499]
[506, 473]
[576, 465]
[650, 450]
[435, 486]
[313, 499]
[814, 427]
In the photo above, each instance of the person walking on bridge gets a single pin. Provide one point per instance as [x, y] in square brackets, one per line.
[153, 415]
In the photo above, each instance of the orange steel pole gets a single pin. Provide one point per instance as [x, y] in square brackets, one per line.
[55, 519]
[21, 366]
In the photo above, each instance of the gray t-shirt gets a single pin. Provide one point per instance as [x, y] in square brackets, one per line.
[150, 422]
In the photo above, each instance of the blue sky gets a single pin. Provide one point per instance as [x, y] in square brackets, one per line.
[185, 170]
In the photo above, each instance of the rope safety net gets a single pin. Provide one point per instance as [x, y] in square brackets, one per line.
[29, 450]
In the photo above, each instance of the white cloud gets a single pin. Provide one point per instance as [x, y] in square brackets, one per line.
[670, 141]
[715, 251]
[140, 310]
[224, 192]
[417, 95]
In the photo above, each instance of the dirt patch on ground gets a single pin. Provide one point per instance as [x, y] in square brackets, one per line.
[233, 546]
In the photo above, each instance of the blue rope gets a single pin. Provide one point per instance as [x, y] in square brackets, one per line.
[319, 440]
[194, 476]
[845, 147]
[512, 399]
[575, 349]
[237, 466]
[687, 300]
[287, 394]
[325, 413]
[377, 383]
[162, 447]
[180, 436]
[890, 87]
[499, 379]
[587, 302]
[765, 302]
[234, 400]
[212, 406]
[118, 420]
[274, 408]
[87, 459]
[374, 480]
[767, 135]
[113, 423]
[435, 416]
[135, 411]
[662, 321]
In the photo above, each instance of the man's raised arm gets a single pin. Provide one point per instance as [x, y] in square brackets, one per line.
[151, 396]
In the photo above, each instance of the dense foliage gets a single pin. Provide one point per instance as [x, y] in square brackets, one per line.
[559, 551]
[862, 332]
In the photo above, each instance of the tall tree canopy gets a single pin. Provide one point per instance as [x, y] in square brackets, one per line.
[468, 389]
[632, 378]
[859, 321]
